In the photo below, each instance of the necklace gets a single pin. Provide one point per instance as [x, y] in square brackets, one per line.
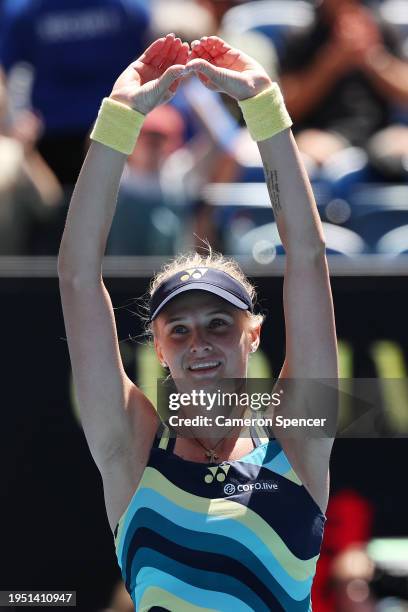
[210, 452]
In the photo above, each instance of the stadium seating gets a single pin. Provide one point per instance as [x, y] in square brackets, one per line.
[377, 209]
[394, 242]
[271, 18]
[395, 12]
[263, 243]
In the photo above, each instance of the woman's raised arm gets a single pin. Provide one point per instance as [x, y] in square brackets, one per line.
[112, 407]
[311, 346]
[310, 331]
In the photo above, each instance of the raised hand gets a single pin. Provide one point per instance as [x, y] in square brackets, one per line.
[355, 35]
[154, 77]
[222, 68]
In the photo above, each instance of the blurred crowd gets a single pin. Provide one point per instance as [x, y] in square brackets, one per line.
[195, 174]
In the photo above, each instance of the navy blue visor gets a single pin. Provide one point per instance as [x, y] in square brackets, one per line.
[206, 279]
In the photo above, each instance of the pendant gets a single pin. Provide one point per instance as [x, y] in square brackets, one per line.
[211, 455]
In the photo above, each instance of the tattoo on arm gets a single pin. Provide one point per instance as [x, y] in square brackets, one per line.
[271, 177]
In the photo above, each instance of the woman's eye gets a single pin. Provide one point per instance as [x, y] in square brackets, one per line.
[214, 323]
[217, 322]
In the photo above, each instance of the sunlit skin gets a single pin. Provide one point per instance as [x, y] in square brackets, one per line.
[203, 326]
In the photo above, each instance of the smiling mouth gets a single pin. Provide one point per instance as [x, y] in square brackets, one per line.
[210, 367]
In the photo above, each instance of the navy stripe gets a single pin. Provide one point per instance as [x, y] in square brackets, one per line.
[198, 550]
[200, 577]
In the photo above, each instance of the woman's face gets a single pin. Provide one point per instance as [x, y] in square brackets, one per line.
[198, 328]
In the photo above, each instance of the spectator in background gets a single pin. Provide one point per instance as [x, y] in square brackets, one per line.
[351, 573]
[359, 585]
[29, 192]
[341, 79]
[349, 523]
[76, 48]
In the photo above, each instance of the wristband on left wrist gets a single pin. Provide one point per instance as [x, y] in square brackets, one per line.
[265, 114]
[117, 126]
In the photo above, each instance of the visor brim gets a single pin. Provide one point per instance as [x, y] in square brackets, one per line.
[209, 288]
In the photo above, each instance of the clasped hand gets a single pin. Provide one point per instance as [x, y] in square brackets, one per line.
[155, 76]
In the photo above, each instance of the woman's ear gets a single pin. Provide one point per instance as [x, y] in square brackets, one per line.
[159, 352]
[254, 337]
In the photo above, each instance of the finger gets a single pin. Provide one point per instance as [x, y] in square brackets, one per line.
[161, 56]
[208, 74]
[168, 45]
[175, 85]
[203, 66]
[220, 77]
[158, 55]
[183, 54]
[221, 52]
[201, 52]
[168, 51]
[152, 50]
[206, 81]
[212, 46]
[173, 51]
[216, 40]
[193, 54]
[209, 50]
[170, 75]
[204, 45]
[218, 48]
[203, 78]
[196, 46]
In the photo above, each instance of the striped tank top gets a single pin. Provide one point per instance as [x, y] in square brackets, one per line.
[239, 536]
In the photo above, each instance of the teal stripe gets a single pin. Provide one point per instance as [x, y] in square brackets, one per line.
[270, 456]
[205, 580]
[203, 523]
[264, 452]
[193, 595]
[278, 464]
[223, 545]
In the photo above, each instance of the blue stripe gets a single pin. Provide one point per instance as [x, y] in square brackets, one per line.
[224, 546]
[203, 523]
[208, 582]
[187, 592]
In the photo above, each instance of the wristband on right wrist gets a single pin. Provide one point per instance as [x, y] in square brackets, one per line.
[117, 126]
[265, 114]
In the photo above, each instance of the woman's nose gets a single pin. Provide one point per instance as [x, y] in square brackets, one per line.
[199, 341]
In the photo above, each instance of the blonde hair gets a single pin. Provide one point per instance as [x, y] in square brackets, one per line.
[212, 259]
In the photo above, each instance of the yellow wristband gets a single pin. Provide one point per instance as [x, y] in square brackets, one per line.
[117, 126]
[265, 114]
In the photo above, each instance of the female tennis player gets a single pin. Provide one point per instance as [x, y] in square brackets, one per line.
[201, 523]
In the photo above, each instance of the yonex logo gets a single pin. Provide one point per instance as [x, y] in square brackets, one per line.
[196, 273]
[219, 472]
